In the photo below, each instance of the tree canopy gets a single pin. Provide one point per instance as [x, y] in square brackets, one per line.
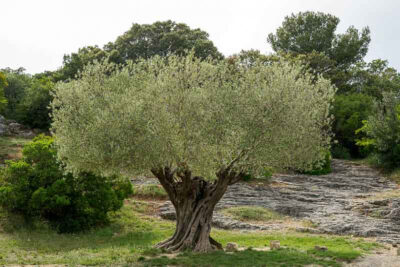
[312, 34]
[162, 38]
[192, 122]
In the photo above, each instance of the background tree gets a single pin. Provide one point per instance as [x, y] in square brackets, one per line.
[161, 38]
[141, 41]
[33, 109]
[349, 111]
[313, 34]
[198, 126]
[18, 82]
[383, 131]
[375, 78]
[3, 85]
[75, 62]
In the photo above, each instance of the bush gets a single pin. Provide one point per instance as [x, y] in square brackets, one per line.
[383, 131]
[340, 152]
[266, 176]
[321, 168]
[349, 112]
[33, 109]
[37, 186]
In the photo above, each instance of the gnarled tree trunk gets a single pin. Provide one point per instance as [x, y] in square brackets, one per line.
[194, 200]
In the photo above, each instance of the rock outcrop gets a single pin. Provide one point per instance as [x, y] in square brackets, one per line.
[11, 127]
[341, 203]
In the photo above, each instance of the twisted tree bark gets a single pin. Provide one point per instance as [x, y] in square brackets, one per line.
[194, 200]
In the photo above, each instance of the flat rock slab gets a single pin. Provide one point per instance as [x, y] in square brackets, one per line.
[338, 203]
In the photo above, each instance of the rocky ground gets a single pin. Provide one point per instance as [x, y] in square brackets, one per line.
[12, 128]
[352, 200]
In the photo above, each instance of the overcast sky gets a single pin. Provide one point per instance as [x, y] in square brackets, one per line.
[36, 34]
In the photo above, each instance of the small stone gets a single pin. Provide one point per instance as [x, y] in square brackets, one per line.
[274, 244]
[231, 247]
[394, 245]
[321, 248]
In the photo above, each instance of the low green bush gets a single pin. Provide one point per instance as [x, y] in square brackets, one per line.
[266, 176]
[38, 186]
[340, 152]
[321, 168]
[382, 132]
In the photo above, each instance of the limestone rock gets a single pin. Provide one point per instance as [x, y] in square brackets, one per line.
[274, 244]
[3, 129]
[231, 247]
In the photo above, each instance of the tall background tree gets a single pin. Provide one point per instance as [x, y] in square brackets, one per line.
[198, 126]
[313, 34]
[17, 83]
[311, 38]
[161, 38]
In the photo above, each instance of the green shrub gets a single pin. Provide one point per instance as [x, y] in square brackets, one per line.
[266, 176]
[382, 130]
[324, 167]
[340, 152]
[37, 186]
[349, 112]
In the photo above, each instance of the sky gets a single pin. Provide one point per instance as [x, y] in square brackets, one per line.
[36, 34]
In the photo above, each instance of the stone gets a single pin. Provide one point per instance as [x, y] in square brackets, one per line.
[321, 248]
[2, 120]
[231, 247]
[28, 134]
[3, 129]
[274, 244]
[15, 127]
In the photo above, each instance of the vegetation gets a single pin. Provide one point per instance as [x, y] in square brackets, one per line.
[11, 148]
[36, 186]
[252, 213]
[150, 191]
[349, 111]
[199, 123]
[210, 118]
[383, 131]
[312, 34]
[129, 238]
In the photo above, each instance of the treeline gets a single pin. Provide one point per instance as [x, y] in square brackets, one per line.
[306, 37]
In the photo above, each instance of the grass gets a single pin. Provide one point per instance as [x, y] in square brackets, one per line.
[394, 176]
[252, 213]
[150, 191]
[11, 147]
[128, 240]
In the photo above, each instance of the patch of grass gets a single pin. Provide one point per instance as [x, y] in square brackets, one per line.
[309, 224]
[252, 213]
[282, 257]
[394, 176]
[11, 147]
[130, 237]
[150, 191]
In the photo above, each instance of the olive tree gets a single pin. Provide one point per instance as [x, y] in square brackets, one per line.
[198, 126]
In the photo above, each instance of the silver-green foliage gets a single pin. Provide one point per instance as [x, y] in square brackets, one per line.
[181, 111]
